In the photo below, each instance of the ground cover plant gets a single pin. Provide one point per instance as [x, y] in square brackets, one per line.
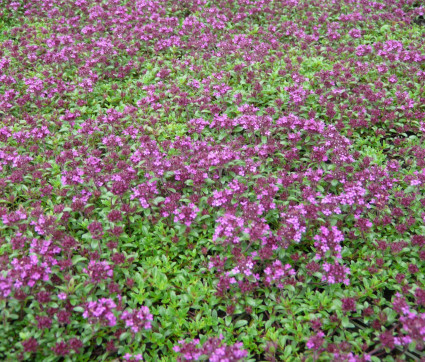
[227, 180]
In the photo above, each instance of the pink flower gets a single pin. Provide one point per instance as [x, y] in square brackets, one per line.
[99, 271]
[335, 273]
[137, 319]
[186, 214]
[101, 311]
[62, 296]
[316, 341]
[393, 79]
[131, 357]
[355, 33]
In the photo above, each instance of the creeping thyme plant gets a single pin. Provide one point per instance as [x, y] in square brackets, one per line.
[222, 180]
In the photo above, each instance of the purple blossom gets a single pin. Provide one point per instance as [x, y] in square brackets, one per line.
[329, 240]
[348, 304]
[137, 319]
[355, 33]
[133, 357]
[213, 349]
[278, 274]
[145, 192]
[30, 345]
[229, 228]
[61, 349]
[99, 271]
[101, 311]
[96, 229]
[335, 273]
[316, 341]
[186, 214]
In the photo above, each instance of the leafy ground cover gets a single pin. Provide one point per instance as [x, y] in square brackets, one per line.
[212, 180]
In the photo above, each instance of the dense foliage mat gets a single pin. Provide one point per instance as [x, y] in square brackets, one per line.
[212, 180]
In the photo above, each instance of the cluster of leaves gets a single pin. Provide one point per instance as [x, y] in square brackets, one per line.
[172, 171]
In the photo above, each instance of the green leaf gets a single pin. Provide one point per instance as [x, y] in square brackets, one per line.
[345, 322]
[270, 322]
[228, 320]
[240, 323]
[158, 199]
[77, 258]
[124, 336]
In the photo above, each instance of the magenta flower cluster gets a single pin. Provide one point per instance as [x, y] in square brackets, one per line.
[213, 349]
[269, 151]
